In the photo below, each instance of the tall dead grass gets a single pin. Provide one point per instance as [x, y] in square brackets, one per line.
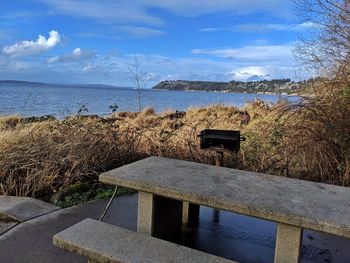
[308, 140]
[39, 158]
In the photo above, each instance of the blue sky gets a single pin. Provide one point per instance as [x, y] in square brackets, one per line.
[96, 41]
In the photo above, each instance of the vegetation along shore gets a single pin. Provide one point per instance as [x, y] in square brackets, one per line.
[41, 156]
[278, 86]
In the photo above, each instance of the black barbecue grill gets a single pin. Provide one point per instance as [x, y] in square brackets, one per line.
[220, 140]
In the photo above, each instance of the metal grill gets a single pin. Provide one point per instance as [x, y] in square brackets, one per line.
[220, 140]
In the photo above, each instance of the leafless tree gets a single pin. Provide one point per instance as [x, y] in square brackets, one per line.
[138, 75]
[326, 45]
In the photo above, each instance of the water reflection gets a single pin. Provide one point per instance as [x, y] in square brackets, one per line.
[250, 240]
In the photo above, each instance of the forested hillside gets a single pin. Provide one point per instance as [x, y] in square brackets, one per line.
[263, 86]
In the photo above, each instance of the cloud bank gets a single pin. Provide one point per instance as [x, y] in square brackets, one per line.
[270, 53]
[138, 11]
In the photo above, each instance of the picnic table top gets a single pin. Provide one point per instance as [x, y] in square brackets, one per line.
[305, 204]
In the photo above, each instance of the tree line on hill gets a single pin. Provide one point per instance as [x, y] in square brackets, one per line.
[263, 86]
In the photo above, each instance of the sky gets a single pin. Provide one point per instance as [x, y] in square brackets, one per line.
[106, 41]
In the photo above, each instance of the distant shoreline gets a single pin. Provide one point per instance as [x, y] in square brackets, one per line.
[273, 87]
[233, 92]
[29, 83]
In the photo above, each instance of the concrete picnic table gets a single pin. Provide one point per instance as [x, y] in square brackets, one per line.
[164, 184]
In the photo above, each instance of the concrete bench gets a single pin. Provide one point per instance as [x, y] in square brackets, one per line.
[102, 242]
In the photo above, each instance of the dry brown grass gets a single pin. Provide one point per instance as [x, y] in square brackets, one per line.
[309, 140]
[39, 158]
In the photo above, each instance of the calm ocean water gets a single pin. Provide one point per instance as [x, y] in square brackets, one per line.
[59, 101]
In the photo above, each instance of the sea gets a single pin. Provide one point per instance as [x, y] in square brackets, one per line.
[30, 99]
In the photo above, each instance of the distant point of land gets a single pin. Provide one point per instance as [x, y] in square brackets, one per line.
[32, 83]
[285, 86]
[21, 82]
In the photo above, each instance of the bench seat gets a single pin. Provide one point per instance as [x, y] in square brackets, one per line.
[102, 242]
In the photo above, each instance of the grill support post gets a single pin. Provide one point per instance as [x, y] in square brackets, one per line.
[218, 162]
[218, 158]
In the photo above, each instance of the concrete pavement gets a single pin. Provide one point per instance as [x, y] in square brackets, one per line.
[233, 236]
[31, 241]
[20, 209]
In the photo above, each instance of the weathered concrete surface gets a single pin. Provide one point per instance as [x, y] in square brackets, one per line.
[31, 241]
[288, 244]
[102, 242]
[5, 226]
[19, 209]
[315, 206]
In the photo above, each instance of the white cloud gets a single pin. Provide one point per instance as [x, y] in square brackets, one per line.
[95, 35]
[199, 7]
[89, 67]
[25, 48]
[76, 55]
[138, 11]
[108, 12]
[261, 28]
[250, 73]
[272, 53]
[140, 31]
[262, 72]
[53, 59]
[150, 76]
[212, 29]
[304, 25]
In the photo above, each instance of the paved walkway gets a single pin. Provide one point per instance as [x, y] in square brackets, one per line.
[237, 237]
[31, 241]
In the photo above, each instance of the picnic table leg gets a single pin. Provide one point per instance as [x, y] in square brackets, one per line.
[288, 243]
[190, 214]
[145, 211]
[159, 216]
